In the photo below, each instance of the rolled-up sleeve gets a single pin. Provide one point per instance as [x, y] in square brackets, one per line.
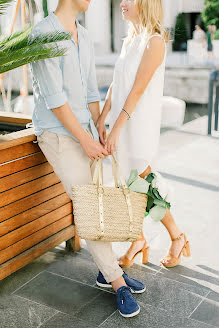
[48, 80]
[92, 88]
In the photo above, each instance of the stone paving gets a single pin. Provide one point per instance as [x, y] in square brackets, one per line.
[58, 289]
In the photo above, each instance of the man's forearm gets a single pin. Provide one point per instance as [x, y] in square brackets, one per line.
[70, 122]
[95, 111]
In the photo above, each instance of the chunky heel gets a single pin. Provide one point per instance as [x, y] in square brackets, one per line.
[170, 261]
[125, 262]
[145, 255]
[186, 250]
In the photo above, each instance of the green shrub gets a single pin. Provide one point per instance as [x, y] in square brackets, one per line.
[210, 14]
[180, 34]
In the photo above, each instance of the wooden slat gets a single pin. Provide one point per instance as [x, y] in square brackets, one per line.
[24, 176]
[22, 164]
[25, 204]
[34, 213]
[35, 238]
[16, 138]
[27, 189]
[29, 255]
[19, 151]
[16, 118]
[38, 224]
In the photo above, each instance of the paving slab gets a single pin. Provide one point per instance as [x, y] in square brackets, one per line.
[169, 295]
[20, 277]
[76, 268]
[58, 292]
[208, 312]
[97, 311]
[151, 316]
[61, 320]
[17, 312]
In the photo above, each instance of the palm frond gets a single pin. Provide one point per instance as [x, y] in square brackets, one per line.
[3, 5]
[20, 49]
[24, 61]
[34, 50]
[22, 39]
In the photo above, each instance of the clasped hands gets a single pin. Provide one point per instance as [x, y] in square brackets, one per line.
[109, 142]
[107, 146]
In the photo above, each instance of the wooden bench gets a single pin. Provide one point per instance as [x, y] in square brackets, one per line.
[35, 211]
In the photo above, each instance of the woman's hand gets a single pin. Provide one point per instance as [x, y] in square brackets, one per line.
[101, 130]
[112, 141]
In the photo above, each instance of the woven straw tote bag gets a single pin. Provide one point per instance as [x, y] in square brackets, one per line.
[107, 213]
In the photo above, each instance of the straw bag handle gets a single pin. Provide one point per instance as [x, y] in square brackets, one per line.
[115, 166]
[98, 175]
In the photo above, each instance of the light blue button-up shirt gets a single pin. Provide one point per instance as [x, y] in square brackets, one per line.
[68, 79]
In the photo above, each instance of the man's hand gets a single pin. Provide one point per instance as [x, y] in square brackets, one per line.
[92, 148]
[101, 130]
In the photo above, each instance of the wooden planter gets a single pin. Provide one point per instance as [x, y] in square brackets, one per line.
[35, 212]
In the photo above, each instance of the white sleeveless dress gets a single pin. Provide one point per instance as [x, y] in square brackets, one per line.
[139, 138]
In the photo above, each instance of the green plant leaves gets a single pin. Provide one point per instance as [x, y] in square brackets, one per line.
[19, 49]
[156, 205]
[3, 5]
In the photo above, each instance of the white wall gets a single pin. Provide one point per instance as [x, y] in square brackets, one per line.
[171, 10]
[120, 27]
[98, 24]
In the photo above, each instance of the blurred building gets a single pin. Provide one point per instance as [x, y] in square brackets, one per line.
[107, 29]
[104, 20]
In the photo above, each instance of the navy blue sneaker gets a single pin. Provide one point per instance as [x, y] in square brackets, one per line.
[135, 286]
[127, 305]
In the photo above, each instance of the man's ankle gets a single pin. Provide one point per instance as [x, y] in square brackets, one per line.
[116, 284]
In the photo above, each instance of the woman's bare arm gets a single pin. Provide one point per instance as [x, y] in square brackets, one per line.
[151, 60]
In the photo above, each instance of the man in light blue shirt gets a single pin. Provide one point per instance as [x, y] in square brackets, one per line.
[66, 112]
[70, 78]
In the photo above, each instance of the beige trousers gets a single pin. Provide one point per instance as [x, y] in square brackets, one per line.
[73, 167]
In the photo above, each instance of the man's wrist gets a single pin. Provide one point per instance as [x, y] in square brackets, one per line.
[83, 138]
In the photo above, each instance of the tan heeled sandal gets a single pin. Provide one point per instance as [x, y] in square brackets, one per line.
[125, 262]
[174, 261]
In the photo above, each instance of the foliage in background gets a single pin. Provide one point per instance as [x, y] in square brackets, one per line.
[210, 14]
[180, 34]
[45, 8]
[216, 36]
[17, 50]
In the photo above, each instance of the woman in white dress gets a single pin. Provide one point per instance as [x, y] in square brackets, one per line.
[136, 93]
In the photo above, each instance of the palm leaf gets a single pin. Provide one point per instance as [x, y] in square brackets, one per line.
[22, 39]
[19, 49]
[3, 5]
[34, 50]
[24, 61]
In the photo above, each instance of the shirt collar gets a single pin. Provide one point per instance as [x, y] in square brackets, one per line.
[60, 27]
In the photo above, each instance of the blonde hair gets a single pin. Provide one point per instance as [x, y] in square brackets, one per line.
[151, 19]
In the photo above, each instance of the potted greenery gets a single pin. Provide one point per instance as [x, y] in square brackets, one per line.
[180, 34]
